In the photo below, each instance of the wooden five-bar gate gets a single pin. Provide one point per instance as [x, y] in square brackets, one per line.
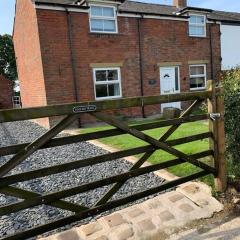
[72, 112]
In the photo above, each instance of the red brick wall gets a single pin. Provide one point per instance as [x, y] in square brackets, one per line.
[28, 54]
[5, 93]
[168, 41]
[87, 49]
[163, 41]
[56, 57]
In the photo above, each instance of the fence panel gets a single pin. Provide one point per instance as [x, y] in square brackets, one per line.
[73, 111]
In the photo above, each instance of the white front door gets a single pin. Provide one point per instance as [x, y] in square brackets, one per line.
[170, 84]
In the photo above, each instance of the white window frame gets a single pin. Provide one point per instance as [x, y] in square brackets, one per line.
[16, 101]
[197, 25]
[103, 18]
[107, 82]
[199, 75]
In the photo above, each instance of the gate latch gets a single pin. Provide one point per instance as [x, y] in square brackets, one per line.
[215, 116]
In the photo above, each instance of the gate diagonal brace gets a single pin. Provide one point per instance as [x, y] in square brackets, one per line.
[26, 195]
[159, 145]
[35, 145]
[144, 158]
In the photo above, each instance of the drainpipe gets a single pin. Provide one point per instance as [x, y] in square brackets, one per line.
[141, 61]
[211, 52]
[70, 40]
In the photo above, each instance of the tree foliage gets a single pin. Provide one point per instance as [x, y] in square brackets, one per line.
[231, 84]
[7, 57]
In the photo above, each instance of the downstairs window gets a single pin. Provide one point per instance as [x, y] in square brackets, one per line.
[198, 76]
[107, 83]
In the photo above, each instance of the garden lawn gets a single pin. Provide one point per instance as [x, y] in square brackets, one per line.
[127, 141]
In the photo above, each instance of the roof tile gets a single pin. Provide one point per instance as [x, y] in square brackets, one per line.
[149, 8]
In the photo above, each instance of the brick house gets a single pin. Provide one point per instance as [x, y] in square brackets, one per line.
[6, 93]
[70, 51]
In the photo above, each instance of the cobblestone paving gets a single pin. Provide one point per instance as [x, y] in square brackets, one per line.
[154, 219]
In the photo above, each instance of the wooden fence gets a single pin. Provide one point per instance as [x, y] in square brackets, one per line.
[73, 111]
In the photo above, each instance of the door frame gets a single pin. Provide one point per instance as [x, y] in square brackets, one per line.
[179, 82]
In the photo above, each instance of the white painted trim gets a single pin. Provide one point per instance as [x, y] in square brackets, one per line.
[104, 2]
[107, 82]
[178, 104]
[199, 75]
[130, 15]
[198, 25]
[58, 8]
[165, 18]
[137, 15]
[179, 82]
[210, 21]
[198, 12]
[114, 18]
[179, 79]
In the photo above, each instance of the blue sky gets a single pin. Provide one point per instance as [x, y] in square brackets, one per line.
[7, 9]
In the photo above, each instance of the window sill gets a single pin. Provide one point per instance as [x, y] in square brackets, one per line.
[108, 98]
[103, 34]
[197, 36]
[197, 89]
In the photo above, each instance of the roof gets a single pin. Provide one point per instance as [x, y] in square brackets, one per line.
[56, 1]
[138, 7]
[225, 16]
[128, 6]
[67, 2]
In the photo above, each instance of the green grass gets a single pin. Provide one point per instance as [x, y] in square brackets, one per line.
[126, 141]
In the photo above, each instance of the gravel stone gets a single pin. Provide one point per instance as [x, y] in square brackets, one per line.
[26, 131]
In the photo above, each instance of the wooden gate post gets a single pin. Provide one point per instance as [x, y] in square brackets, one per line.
[221, 179]
[217, 144]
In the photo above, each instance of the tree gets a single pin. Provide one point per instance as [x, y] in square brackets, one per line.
[231, 84]
[7, 57]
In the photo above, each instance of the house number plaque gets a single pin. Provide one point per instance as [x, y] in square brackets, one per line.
[84, 109]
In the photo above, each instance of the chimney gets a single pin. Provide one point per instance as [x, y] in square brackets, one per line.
[180, 3]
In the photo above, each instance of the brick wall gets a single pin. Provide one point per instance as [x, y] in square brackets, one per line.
[162, 41]
[87, 49]
[28, 55]
[6, 92]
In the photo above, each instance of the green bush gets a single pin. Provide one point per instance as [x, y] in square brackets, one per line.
[231, 84]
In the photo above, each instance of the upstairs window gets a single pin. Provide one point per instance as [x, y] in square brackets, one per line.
[103, 19]
[197, 26]
[107, 83]
[198, 77]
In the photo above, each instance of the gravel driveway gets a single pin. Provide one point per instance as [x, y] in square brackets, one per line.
[20, 132]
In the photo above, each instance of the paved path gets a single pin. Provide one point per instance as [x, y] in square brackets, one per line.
[229, 230]
[156, 218]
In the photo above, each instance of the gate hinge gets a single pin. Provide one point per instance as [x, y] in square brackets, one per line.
[215, 116]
